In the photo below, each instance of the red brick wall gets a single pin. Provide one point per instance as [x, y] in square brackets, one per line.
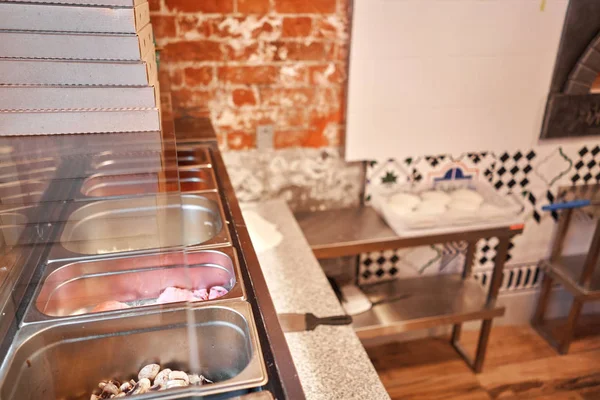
[246, 63]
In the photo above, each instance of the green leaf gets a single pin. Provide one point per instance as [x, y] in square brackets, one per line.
[389, 178]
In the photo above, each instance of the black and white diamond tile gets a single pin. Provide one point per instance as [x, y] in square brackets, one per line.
[403, 263]
[538, 201]
[533, 176]
[485, 253]
[435, 161]
[586, 167]
[511, 172]
[477, 158]
[377, 266]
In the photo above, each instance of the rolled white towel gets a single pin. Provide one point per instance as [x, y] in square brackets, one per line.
[463, 205]
[467, 195]
[436, 196]
[490, 210]
[405, 199]
[399, 209]
[430, 208]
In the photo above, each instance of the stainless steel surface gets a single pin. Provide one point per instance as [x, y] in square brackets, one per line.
[26, 170]
[75, 288]
[263, 395]
[12, 261]
[67, 360]
[422, 303]
[22, 192]
[104, 185]
[197, 179]
[567, 270]
[142, 223]
[12, 226]
[351, 231]
[114, 162]
[67, 18]
[77, 47]
[193, 157]
[68, 97]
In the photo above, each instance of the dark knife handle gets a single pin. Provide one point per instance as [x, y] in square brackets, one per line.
[312, 321]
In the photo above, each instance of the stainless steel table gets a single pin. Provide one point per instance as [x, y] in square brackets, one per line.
[422, 302]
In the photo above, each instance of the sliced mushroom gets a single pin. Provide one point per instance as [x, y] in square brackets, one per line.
[179, 375]
[126, 387]
[176, 383]
[195, 379]
[162, 377]
[155, 388]
[102, 384]
[149, 371]
[110, 388]
[142, 386]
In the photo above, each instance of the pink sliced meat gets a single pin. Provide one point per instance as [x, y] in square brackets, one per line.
[202, 294]
[110, 306]
[173, 295]
[216, 292]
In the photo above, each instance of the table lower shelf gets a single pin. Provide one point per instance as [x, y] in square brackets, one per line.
[567, 270]
[422, 303]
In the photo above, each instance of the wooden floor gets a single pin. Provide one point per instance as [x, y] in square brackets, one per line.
[519, 365]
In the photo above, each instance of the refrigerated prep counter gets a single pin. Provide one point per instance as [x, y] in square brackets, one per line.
[119, 252]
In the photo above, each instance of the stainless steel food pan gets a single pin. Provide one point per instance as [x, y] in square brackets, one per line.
[35, 171]
[104, 185]
[75, 288]
[141, 224]
[113, 162]
[67, 360]
[193, 157]
[22, 192]
[238, 395]
[12, 226]
[108, 185]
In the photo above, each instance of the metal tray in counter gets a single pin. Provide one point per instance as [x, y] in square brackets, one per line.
[22, 192]
[108, 185]
[193, 157]
[121, 162]
[71, 289]
[141, 224]
[38, 171]
[67, 360]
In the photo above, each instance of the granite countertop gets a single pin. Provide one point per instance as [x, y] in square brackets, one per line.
[331, 361]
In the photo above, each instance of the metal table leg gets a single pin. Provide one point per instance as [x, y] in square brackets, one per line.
[486, 326]
[540, 311]
[467, 268]
[565, 342]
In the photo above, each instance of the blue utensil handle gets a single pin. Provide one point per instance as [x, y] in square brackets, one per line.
[566, 205]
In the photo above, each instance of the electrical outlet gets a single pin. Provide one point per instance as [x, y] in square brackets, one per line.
[264, 137]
